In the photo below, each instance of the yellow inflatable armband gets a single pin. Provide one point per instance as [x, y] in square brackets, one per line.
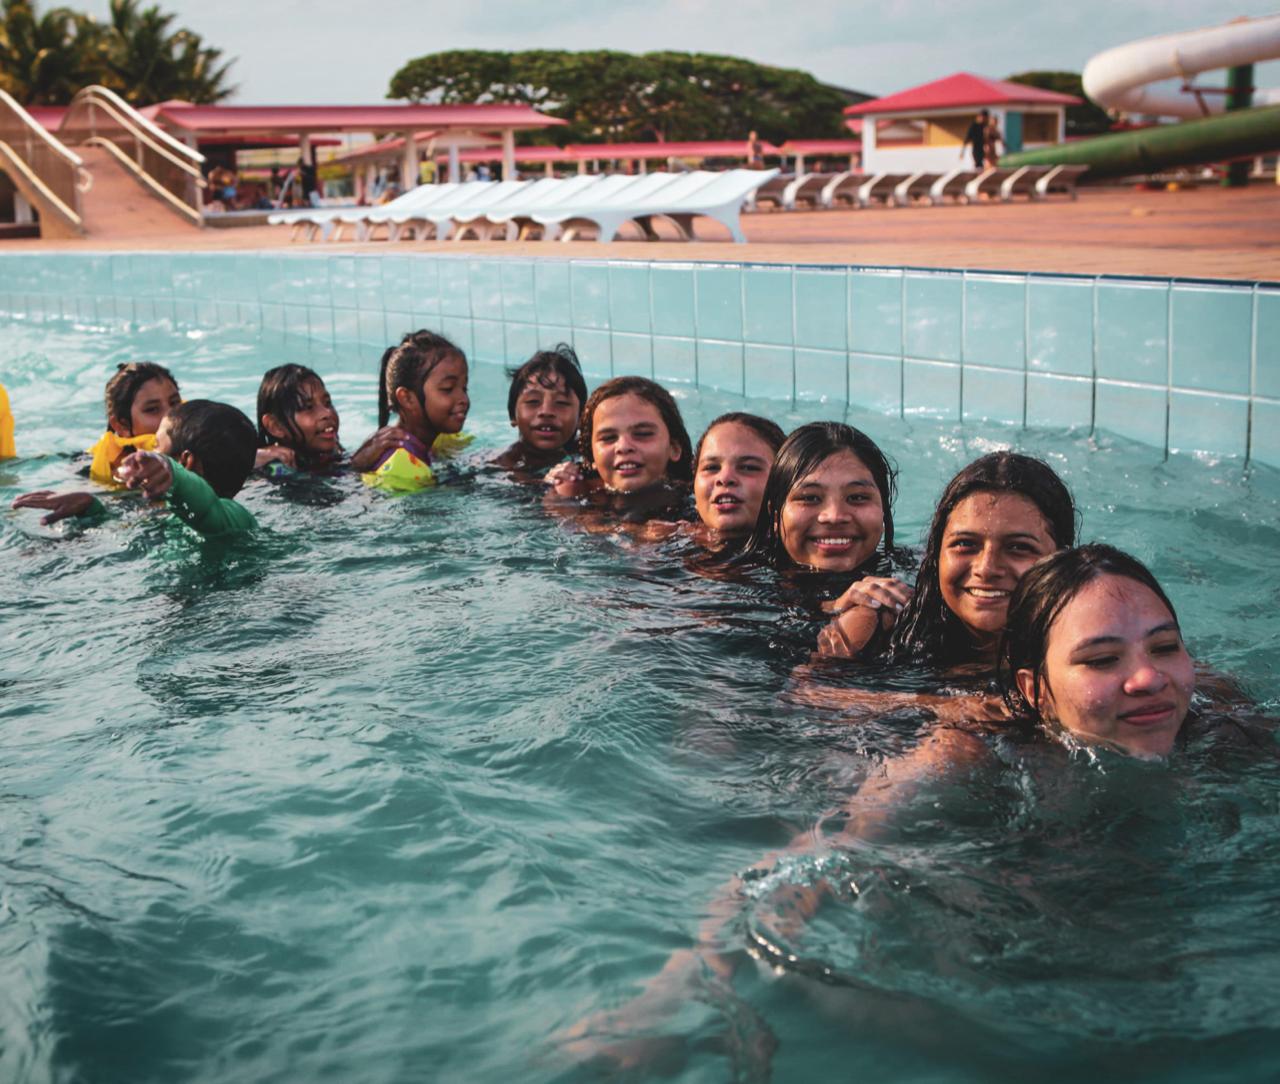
[111, 448]
[450, 444]
[7, 450]
[401, 472]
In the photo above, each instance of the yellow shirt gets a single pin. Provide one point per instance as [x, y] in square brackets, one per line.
[111, 448]
[7, 450]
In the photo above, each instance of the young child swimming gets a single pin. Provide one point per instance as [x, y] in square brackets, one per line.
[731, 469]
[544, 402]
[636, 453]
[204, 452]
[297, 421]
[994, 520]
[423, 381]
[138, 398]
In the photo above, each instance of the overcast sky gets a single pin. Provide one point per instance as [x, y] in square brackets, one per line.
[335, 51]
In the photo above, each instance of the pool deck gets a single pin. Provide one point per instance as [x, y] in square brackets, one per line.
[1206, 232]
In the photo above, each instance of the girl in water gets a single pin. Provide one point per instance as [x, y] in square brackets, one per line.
[994, 520]
[138, 397]
[828, 503]
[545, 400]
[423, 381]
[731, 469]
[637, 459]
[297, 421]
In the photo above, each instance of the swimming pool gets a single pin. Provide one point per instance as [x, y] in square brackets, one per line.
[418, 782]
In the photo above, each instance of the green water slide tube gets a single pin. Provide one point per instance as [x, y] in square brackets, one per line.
[1148, 150]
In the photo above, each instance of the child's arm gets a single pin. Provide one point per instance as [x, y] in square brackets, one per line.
[61, 505]
[190, 496]
[384, 440]
[274, 453]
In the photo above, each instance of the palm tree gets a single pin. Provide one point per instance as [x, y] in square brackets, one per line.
[45, 59]
[150, 62]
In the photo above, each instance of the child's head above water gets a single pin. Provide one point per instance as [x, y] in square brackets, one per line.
[138, 397]
[1092, 647]
[295, 411]
[995, 519]
[633, 436]
[731, 468]
[424, 381]
[828, 503]
[213, 440]
[546, 398]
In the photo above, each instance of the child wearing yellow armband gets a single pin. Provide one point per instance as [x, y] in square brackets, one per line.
[7, 450]
[424, 381]
[139, 397]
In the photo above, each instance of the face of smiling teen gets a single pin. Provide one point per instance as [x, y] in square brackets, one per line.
[832, 518]
[316, 419]
[151, 404]
[1115, 668]
[630, 443]
[729, 482]
[990, 541]
[546, 413]
[445, 395]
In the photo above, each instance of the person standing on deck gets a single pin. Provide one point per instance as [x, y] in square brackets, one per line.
[976, 137]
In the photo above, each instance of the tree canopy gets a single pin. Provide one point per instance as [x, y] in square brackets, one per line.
[45, 58]
[1086, 119]
[617, 97]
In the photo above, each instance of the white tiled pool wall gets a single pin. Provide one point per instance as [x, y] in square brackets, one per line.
[1182, 365]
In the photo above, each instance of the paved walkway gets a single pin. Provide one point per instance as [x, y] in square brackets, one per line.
[1206, 232]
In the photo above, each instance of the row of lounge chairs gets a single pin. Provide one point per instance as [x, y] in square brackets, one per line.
[567, 208]
[788, 192]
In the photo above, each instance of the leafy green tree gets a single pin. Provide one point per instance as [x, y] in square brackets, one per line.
[1086, 119]
[45, 59]
[149, 61]
[610, 96]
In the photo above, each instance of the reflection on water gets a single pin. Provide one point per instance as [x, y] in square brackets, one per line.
[415, 783]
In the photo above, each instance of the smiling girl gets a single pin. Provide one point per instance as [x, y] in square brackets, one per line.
[297, 421]
[138, 398]
[636, 453]
[828, 504]
[995, 519]
[423, 381]
[545, 400]
[731, 469]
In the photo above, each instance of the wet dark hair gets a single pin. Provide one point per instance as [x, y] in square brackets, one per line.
[560, 361]
[282, 394]
[768, 431]
[927, 630]
[1037, 601]
[123, 388]
[408, 364]
[221, 437]
[801, 454]
[679, 471]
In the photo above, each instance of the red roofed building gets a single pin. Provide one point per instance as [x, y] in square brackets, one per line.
[940, 114]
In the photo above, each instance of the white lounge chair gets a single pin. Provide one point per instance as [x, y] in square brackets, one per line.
[806, 188]
[951, 184]
[918, 184]
[770, 191]
[323, 221]
[438, 218]
[524, 226]
[843, 188]
[879, 187]
[613, 201]
[404, 222]
[689, 196]
[988, 181]
[1022, 182]
[1059, 179]
[505, 220]
[386, 214]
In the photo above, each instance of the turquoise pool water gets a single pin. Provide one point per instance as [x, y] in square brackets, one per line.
[416, 783]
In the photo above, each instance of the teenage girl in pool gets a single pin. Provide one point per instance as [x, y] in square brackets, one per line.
[544, 403]
[731, 469]
[637, 460]
[423, 381]
[297, 421]
[138, 398]
[994, 520]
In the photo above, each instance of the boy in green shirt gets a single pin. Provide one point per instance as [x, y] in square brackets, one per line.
[204, 453]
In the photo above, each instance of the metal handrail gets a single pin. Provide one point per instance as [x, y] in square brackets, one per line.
[98, 115]
[57, 170]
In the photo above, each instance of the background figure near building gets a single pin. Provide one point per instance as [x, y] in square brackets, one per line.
[310, 182]
[755, 152]
[993, 141]
[976, 137]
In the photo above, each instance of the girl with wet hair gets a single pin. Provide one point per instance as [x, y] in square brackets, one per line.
[994, 520]
[544, 403]
[731, 467]
[423, 380]
[637, 458]
[828, 504]
[138, 397]
[297, 421]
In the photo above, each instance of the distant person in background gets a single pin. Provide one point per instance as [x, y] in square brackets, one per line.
[483, 173]
[993, 141]
[427, 171]
[976, 137]
[755, 152]
[310, 182]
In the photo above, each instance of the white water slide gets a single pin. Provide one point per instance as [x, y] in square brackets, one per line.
[1121, 78]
